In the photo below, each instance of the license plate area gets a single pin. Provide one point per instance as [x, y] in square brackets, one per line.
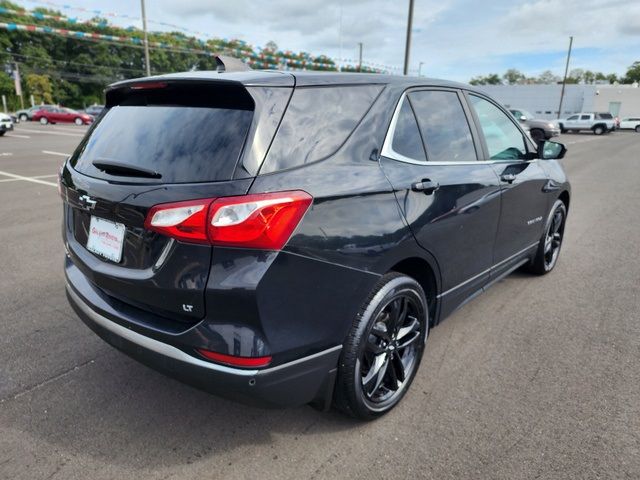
[106, 238]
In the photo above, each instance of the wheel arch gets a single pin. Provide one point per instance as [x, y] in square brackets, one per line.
[565, 198]
[423, 272]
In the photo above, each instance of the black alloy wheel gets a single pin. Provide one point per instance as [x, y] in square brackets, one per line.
[383, 350]
[553, 238]
[551, 242]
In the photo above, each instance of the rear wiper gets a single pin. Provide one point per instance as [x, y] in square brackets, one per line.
[117, 168]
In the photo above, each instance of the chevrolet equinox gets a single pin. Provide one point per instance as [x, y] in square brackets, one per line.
[289, 238]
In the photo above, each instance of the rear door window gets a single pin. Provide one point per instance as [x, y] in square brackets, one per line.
[406, 135]
[185, 134]
[316, 124]
[444, 126]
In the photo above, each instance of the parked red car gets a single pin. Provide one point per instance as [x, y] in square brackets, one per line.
[61, 114]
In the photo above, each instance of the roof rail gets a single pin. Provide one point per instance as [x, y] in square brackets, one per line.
[230, 64]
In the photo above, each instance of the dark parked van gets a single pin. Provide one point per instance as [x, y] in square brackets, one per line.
[289, 238]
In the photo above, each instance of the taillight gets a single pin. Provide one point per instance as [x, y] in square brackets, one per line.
[182, 220]
[265, 220]
[246, 362]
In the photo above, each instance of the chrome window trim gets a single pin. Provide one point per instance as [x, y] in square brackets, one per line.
[388, 151]
[387, 148]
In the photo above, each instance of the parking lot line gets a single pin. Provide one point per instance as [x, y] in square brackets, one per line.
[17, 136]
[68, 129]
[28, 179]
[55, 153]
[49, 132]
[4, 180]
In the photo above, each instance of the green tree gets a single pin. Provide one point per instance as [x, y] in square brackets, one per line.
[613, 78]
[548, 77]
[491, 79]
[633, 73]
[513, 76]
[40, 87]
[589, 77]
[7, 87]
[575, 76]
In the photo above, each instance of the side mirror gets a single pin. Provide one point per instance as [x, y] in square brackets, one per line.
[522, 118]
[551, 150]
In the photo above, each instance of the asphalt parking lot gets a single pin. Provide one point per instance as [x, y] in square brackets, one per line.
[537, 378]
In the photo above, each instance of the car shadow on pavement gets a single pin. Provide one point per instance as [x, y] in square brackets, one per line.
[122, 413]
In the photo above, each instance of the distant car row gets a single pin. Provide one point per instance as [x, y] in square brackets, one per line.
[6, 124]
[598, 123]
[54, 114]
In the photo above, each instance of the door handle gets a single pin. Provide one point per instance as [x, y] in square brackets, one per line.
[426, 186]
[508, 177]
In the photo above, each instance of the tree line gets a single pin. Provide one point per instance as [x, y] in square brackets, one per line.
[74, 73]
[575, 76]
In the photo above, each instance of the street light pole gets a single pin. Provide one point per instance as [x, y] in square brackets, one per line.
[360, 57]
[564, 80]
[146, 40]
[407, 46]
[420, 69]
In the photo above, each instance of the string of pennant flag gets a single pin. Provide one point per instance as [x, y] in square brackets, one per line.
[261, 59]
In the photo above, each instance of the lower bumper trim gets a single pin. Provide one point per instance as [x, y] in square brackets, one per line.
[294, 383]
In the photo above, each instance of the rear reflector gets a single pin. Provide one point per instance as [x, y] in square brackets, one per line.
[264, 220]
[246, 362]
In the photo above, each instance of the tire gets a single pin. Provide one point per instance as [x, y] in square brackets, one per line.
[598, 130]
[78, 121]
[381, 351]
[637, 129]
[551, 242]
[23, 117]
[538, 135]
[43, 121]
[2, 132]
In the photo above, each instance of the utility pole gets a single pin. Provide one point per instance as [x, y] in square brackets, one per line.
[564, 80]
[407, 46]
[146, 40]
[420, 69]
[360, 57]
[18, 84]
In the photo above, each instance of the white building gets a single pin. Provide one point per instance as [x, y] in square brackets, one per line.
[543, 100]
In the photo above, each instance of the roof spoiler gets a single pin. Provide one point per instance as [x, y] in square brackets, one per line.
[230, 64]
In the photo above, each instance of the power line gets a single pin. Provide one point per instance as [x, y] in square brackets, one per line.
[68, 62]
[240, 48]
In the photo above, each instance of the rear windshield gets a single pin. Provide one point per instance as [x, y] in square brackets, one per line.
[605, 116]
[172, 135]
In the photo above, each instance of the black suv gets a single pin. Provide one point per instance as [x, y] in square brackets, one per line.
[290, 238]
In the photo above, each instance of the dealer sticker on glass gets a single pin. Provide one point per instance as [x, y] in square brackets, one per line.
[106, 238]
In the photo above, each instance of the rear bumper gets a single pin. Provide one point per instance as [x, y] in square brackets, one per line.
[306, 380]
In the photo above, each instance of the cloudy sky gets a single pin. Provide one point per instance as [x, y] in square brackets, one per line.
[456, 39]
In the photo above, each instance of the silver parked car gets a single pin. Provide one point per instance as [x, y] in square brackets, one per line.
[539, 129]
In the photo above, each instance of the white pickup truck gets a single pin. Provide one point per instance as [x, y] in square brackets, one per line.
[595, 122]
